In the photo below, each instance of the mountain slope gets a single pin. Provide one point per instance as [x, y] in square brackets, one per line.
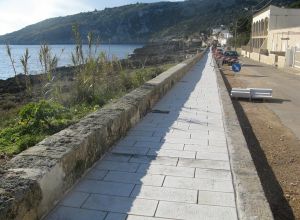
[135, 23]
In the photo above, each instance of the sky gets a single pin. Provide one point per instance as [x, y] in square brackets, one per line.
[16, 14]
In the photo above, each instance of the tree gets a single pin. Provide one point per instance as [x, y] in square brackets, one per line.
[295, 5]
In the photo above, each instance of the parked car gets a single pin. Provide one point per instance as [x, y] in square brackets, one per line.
[230, 57]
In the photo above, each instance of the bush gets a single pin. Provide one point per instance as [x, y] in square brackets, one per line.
[44, 116]
[35, 122]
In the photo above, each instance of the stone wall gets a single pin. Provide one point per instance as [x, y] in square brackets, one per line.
[281, 62]
[272, 59]
[36, 179]
[268, 59]
[254, 56]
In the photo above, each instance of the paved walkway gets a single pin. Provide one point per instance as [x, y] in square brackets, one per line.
[173, 165]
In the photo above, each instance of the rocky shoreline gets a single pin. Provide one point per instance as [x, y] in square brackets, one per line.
[149, 55]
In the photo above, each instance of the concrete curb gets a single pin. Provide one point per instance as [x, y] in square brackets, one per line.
[38, 177]
[251, 201]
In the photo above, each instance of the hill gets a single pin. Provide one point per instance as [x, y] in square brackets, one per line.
[138, 23]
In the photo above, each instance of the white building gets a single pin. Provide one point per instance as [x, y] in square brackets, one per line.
[222, 35]
[270, 23]
[275, 33]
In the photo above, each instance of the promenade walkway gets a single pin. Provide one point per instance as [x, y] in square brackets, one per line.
[174, 164]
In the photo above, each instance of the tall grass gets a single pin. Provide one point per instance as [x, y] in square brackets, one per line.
[49, 64]
[25, 65]
[12, 61]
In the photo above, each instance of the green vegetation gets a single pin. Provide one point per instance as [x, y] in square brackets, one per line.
[98, 80]
[295, 4]
[138, 22]
[243, 31]
[36, 120]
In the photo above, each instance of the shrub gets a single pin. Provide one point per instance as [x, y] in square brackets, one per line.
[44, 115]
[35, 122]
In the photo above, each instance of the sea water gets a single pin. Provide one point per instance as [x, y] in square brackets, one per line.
[63, 53]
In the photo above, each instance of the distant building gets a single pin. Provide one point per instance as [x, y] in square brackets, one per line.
[276, 31]
[221, 34]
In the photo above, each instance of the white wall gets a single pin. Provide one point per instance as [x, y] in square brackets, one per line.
[283, 18]
[261, 16]
[277, 39]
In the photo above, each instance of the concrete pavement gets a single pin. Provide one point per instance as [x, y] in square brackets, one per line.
[174, 164]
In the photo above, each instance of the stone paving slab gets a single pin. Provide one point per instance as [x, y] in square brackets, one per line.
[171, 165]
[205, 164]
[165, 194]
[116, 216]
[167, 170]
[169, 161]
[175, 210]
[103, 187]
[136, 178]
[199, 184]
[124, 205]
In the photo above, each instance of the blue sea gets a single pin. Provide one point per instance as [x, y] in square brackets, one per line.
[63, 52]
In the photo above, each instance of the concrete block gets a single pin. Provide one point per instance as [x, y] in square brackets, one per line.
[175, 210]
[135, 178]
[172, 153]
[117, 166]
[143, 138]
[117, 157]
[115, 216]
[212, 156]
[130, 150]
[106, 188]
[124, 205]
[199, 184]
[165, 194]
[96, 174]
[166, 170]
[169, 161]
[74, 199]
[135, 217]
[68, 213]
[216, 198]
[205, 149]
[204, 164]
[156, 145]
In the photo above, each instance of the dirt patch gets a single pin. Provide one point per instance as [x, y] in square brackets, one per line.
[275, 151]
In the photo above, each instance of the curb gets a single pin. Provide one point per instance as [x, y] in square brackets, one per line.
[250, 198]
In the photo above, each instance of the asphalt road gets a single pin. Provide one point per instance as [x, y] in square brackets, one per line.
[286, 90]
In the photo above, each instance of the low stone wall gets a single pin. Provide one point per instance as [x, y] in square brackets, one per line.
[37, 178]
[254, 56]
[281, 62]
[270, 60]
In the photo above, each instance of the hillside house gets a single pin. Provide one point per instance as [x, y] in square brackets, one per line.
[221, 34]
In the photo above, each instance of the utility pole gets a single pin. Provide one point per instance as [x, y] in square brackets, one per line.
[235, 35]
